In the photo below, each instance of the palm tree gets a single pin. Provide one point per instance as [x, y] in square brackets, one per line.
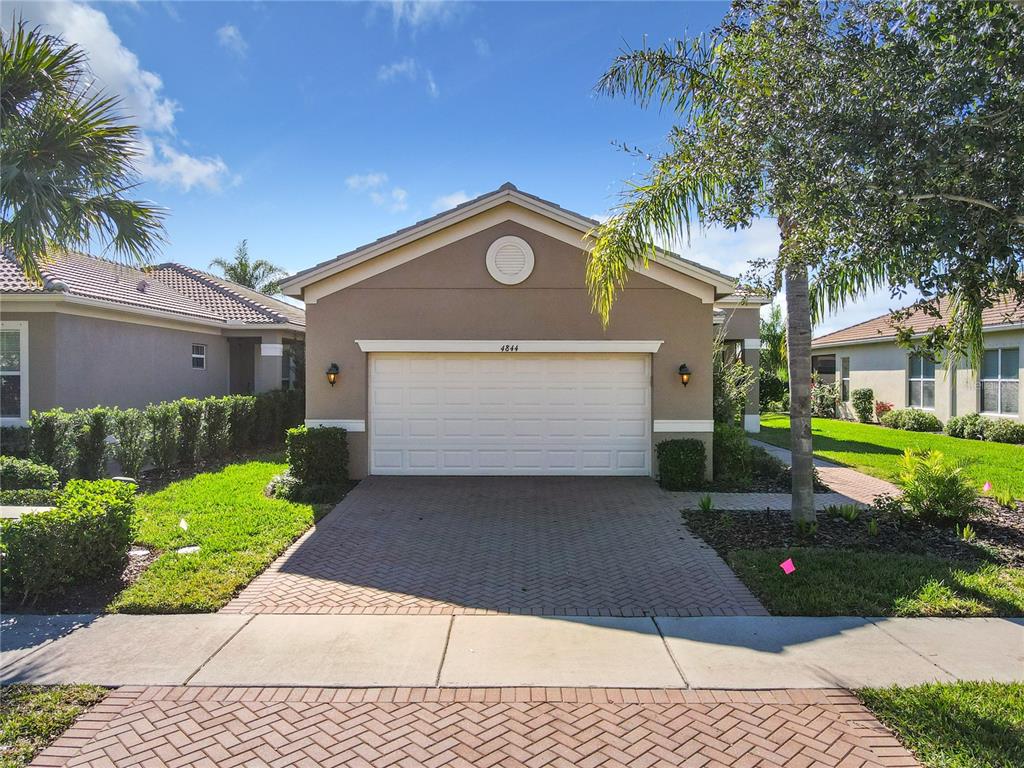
[259, 275]
[773, 343]
[67, 158]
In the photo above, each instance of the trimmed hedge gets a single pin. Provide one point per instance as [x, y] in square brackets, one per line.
[912, 420]
[16, 442]
[83, 538]
[863, 402]
[216, 427]
[91, 429]
[22, 474]
[190, 429]
[131, 431]
[681, 464]
[732, 458]
[970, 426]
[53, 440]
[29, 497]
[1004, 431]
[242, 420]
[318, 455]
[164, 425]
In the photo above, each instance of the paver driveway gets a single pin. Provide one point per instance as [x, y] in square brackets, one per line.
[554, 546]
[473, 727]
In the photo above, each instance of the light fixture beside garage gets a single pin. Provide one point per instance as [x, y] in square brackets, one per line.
[510, 260]
[332, 373]
[684, 374]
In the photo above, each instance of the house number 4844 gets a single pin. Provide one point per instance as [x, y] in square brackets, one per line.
[509, 347]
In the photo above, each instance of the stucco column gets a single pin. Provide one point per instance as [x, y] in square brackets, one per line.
[752, 411]
[269, 352]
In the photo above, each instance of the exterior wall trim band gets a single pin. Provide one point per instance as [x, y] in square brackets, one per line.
[684, 425]
[501, 345]
[349, 425]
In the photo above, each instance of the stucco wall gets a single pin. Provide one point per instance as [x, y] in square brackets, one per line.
[448, 294]
[883, 367]
[105, 362]
[42, 358]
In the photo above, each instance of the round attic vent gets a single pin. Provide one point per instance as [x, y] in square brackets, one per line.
[510, 260]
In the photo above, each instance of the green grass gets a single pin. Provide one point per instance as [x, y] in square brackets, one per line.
[875, 450]
[955, 725]
[239, 532]
[31, 716]
[841, 582]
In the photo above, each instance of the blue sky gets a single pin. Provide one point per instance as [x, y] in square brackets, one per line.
[313, 127]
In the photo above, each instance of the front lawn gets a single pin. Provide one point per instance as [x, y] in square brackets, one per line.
[875, 450]
[955, 725]
[841, 582]
[238, 530]
[32, 716]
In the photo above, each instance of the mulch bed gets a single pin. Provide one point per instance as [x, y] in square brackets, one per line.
[88, 598]
[1000, 534]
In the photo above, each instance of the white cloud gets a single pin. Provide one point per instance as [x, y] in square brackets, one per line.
[161, 162]
[395, 200]
[408, 69]
[482, 47]
[230, 38]
[731, 251]
[364, 181]
[422, 13]
[445, 202]
[118, 71]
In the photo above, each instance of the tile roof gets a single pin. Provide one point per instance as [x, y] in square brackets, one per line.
[172, 288]
[881, 327]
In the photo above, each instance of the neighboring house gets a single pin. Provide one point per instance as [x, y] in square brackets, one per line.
[99, 333]
[866, 355]
[467, 344]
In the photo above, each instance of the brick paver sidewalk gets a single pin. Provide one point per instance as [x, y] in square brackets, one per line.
[583, 546]
[370, 728]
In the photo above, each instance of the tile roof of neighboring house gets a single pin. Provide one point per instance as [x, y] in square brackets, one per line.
[170, 288]
[880, 328]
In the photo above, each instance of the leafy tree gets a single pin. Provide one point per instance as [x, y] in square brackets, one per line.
[796, 110]
[773, 344]
[259, 275]
[66, 157]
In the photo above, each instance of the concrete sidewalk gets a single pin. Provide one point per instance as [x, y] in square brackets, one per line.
[750, 652]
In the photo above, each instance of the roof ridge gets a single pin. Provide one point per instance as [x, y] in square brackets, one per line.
[218, 284]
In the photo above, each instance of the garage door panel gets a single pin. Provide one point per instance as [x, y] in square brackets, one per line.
[509, 414]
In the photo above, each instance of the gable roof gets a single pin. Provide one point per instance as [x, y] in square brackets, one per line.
[507, 193]
[1006, 312]
[170, 288]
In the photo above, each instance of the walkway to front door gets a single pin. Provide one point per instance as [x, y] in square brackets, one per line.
[525, 545]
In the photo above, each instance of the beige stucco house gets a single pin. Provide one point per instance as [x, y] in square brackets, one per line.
[466, 344]
[99, 333]
[866, 355]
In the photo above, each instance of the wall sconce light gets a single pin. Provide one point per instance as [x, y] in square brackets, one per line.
[332, 373]
[684, 374]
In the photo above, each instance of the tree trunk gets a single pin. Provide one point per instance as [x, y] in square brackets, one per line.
[798, 325]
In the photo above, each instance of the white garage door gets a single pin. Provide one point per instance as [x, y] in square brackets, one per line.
[513, 414]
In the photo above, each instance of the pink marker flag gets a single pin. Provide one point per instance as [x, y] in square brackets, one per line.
[787, 566]
[986, 487]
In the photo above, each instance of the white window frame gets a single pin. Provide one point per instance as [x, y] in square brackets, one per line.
[21, 326]
[922, 378]
[200, 357]
[844, 379]
[999, 389]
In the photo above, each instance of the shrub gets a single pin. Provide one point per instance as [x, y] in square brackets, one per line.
[53, 440]
[16, 442]
[28, 497]
[242, 418]
[318, 455]
[84, 537]
[19, 474]
[731, 456]
[771, 390]
[681, 464]
[269, 419]
[216, 435]
[190, 429]
[824, 398]
[1004, 431]
[91, 430]
[863, 402]
[130, 429]
[912, 420]
[970, 426]
[935, 490]
[882, 408]
[164, 421]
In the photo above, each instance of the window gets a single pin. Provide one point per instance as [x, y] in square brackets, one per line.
[1000, 381]
[199, 357]
[921, 384]
[846, 380]
[13, 372]
[824, 365]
